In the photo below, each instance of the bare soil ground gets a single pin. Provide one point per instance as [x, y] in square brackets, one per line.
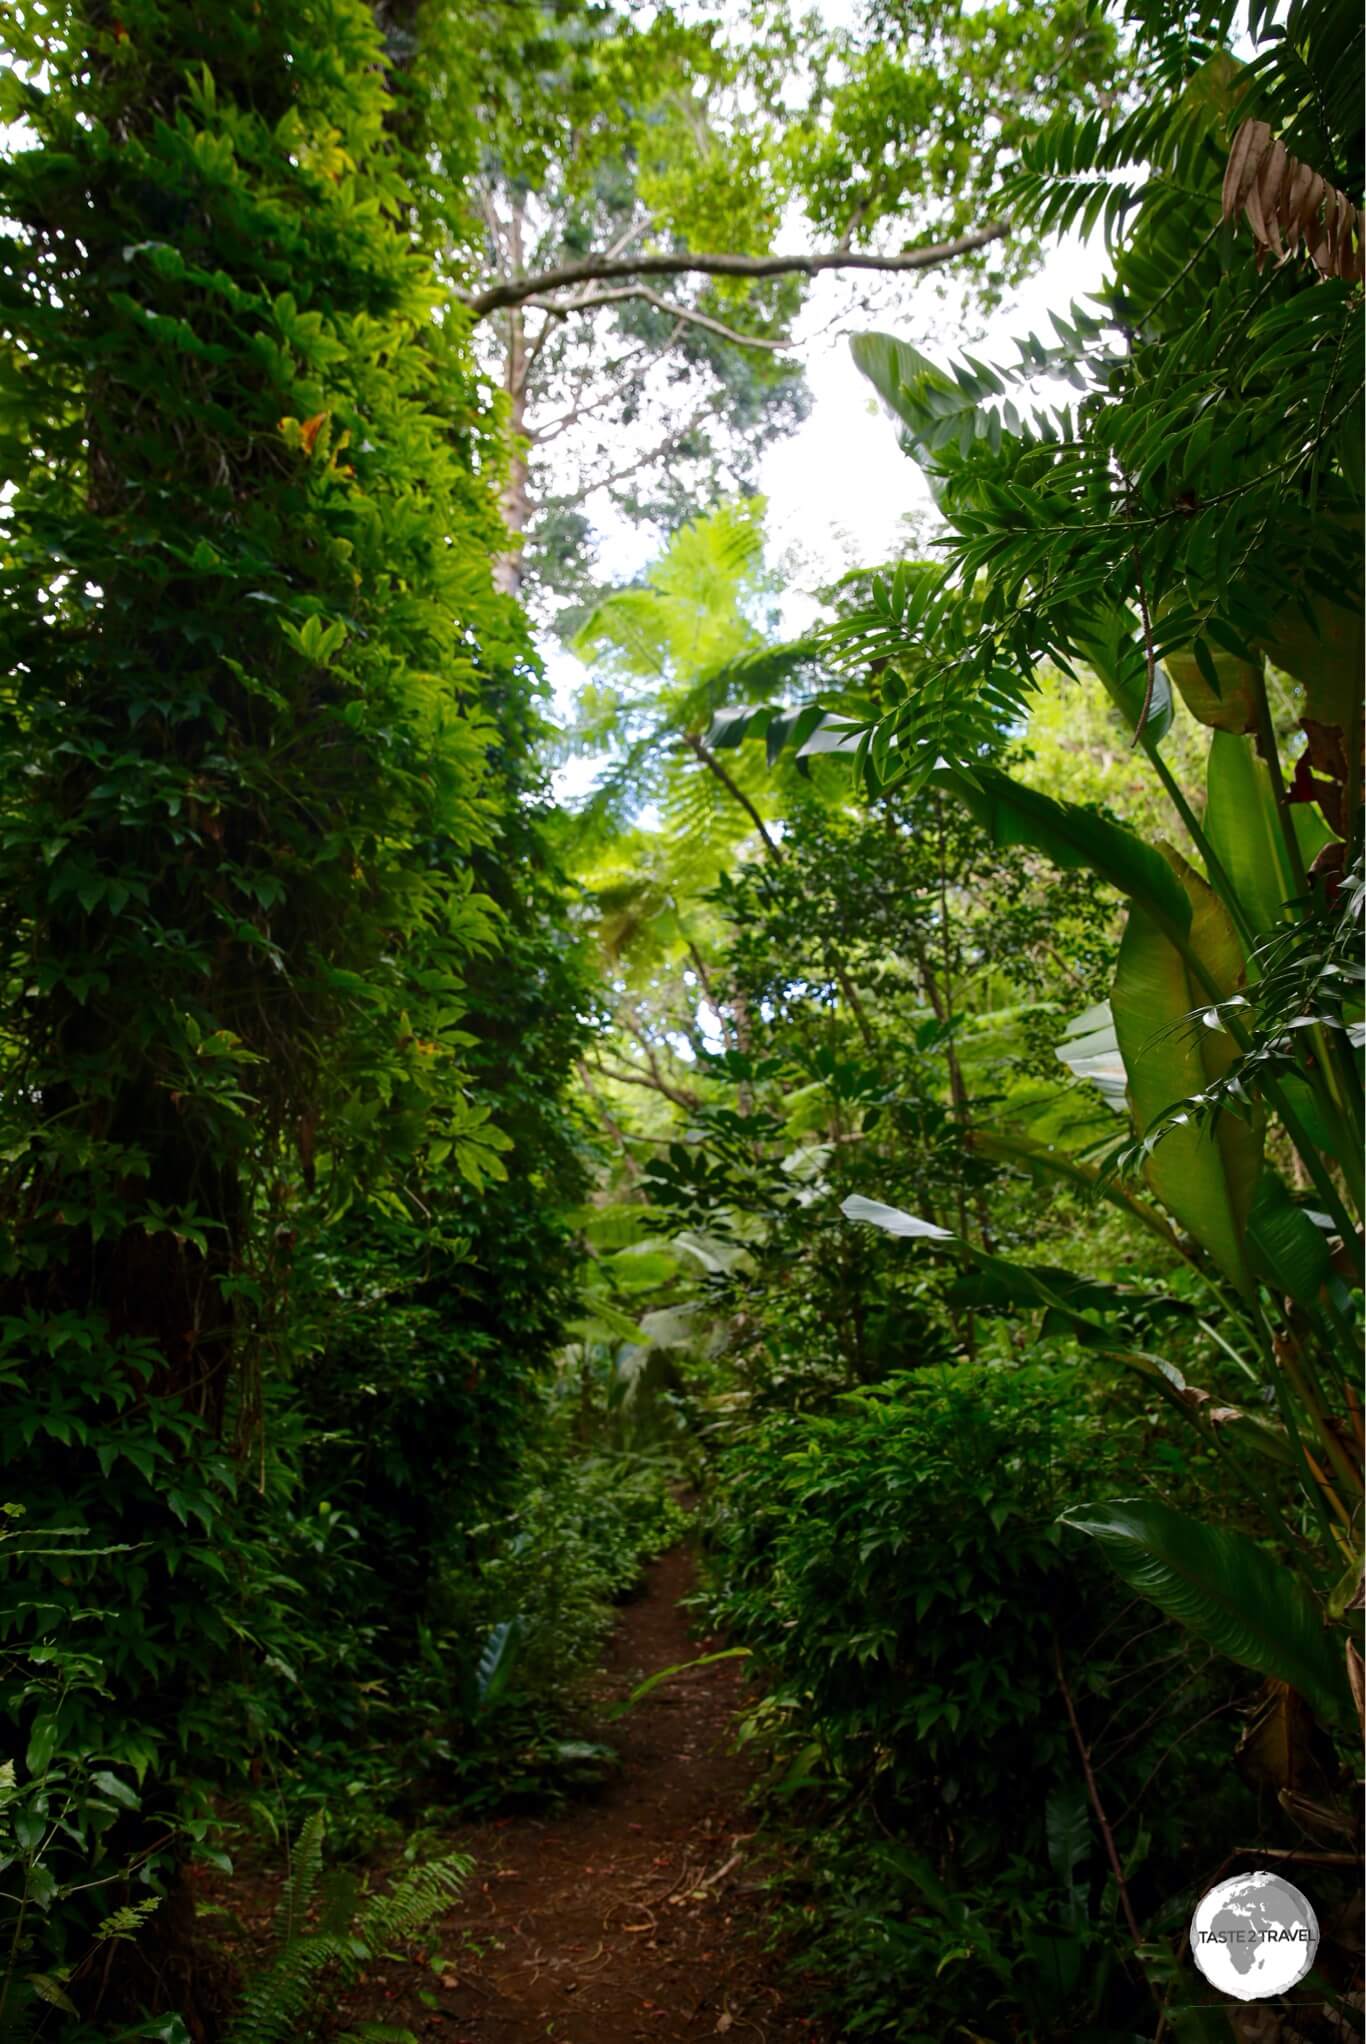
[637, 1914]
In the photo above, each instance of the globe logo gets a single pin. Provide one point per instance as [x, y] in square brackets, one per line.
[1254, 1936]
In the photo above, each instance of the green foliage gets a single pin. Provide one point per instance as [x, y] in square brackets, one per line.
[912, 1528]
[266, 726]
[1226, 1589]
[291, 985]
[577, 1536]
[1209, 475]
[328, 1933]
[430, 1323]
[57, 1808]
[1196, 508]
[914, 1611]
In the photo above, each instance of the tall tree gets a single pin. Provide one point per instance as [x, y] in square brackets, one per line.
[645, 188]
[245, 618]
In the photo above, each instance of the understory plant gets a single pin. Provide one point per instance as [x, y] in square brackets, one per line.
[327, 1932]
[984, 1760]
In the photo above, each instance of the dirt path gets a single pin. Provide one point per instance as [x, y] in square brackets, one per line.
[632, 1915]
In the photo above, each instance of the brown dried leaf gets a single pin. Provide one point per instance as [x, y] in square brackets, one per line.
[1270, 1748]
[1249, 145]
[1288, 205]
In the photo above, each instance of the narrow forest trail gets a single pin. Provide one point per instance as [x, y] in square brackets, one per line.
[633, 1915]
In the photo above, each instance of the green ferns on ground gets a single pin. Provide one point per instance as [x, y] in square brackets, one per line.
[284, 2002]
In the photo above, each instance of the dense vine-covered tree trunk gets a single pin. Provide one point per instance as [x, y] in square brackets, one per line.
[244, 603]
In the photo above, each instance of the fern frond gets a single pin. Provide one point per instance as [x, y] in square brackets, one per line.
[405, 1912]
[277, 2002]
[280, 2004]
[305, 1866]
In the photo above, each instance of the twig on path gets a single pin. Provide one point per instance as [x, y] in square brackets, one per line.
[714, 1880]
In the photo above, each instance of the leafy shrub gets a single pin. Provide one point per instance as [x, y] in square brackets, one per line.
[529, 1619]
[248, 765]
[915, 1611]
[584, 1528]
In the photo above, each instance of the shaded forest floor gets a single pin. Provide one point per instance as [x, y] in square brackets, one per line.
[633, 1912]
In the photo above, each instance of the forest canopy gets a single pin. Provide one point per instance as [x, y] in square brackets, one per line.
[620, 1110]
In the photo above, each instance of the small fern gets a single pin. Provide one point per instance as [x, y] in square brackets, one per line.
[282, 2004]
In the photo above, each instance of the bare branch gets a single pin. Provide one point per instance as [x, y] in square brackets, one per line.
[603, 268]
[687, 1101]
[630, 468]
[681, 313]
[616, 391]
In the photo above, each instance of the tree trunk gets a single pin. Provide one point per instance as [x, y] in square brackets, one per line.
[515, 496]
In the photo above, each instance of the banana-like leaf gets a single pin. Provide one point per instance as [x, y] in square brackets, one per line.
[674, 1326]
[934, 413]
[1326, 653]
[642, 1267]
[1218, 688]
[495, 1661]
[1072, 1305]
[1224, 1588]
[893, 1220]
[604, 1323]
[1090, 1050]
[1206, 1173]
[1244, 831]
[1072, 836]
[1289, 1249]
[996, 1285]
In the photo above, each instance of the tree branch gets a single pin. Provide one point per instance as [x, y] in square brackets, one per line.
[687, 1101]
[630, 468]
[703, 752]
[682, 313]
[678, 1093]
[603, 268]
[585, 408]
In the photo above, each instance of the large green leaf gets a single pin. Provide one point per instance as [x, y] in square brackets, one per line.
[1090, 1050]
[895, 1220]
[1109, 644]
[935, 413]
[996, 1285]
[1289, 1249]
[1073, 1306]
[1219, 690]
[1325, 652]
[1224, 1588]
[1204, 1173]
[1244, 830]
[1074, 837]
